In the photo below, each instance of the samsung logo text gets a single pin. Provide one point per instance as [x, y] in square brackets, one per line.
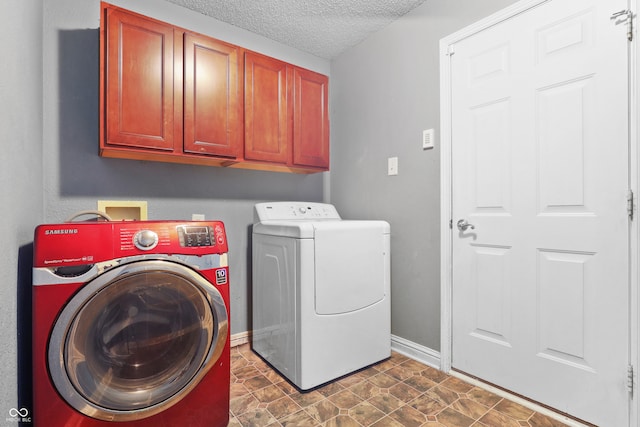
[61, 231]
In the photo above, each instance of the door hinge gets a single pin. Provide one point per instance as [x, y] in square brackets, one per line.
[625, 17]
[630, 379]
[451, 50]
[451, 224]
[630, 205]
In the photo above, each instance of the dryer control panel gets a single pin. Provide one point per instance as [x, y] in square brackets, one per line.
[294, 210]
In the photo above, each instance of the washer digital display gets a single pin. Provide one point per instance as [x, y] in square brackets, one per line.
[195, 236]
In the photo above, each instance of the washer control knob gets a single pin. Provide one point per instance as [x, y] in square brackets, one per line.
[145, 240]
[302, 210]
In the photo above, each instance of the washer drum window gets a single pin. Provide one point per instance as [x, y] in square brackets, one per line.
[135, 340]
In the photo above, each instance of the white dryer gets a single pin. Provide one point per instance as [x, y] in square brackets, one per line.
[321, 291]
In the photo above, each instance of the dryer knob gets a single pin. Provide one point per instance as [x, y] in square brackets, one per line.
[145, 240]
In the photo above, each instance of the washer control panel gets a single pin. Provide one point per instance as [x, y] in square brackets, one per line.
[171, 237]
[195, 236]
[82, 244]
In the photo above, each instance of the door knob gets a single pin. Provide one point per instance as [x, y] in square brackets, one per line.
[463, 225]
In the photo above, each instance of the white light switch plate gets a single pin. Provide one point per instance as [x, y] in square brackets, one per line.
[392, 166]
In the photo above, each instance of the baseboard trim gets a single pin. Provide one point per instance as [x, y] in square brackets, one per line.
[415, 351]
[240, 338]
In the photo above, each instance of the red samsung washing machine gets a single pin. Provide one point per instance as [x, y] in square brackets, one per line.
[131, 324]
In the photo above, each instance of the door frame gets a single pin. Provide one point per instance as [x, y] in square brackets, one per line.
[446, 218]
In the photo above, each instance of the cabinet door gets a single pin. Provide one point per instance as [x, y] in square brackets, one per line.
[139, 82]
[311, 119]
[267, 129]
[212, 97]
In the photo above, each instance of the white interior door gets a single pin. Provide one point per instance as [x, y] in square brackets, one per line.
[540, 287]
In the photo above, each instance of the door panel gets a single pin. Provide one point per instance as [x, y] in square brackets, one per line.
[311, 119]
[563, 291]
[139, 71]
[212, 97]
[539, 167]
[267, 125]
[562, 110]
[492, 311]
[491, 151]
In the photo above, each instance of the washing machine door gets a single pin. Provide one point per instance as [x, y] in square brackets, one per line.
[135, 340]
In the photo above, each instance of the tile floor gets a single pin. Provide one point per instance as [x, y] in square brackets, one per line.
[398, 392]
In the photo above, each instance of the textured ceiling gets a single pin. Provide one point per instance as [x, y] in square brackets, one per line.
[324, 28]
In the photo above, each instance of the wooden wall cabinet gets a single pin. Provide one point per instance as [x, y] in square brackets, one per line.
[286, 113]
[168, 94]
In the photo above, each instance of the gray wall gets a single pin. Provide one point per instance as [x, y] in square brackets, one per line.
[385, 91]
[21, 190]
